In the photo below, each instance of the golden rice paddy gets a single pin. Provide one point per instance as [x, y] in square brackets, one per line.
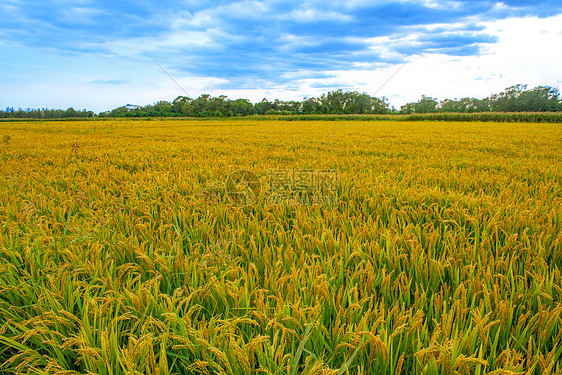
[122, 252]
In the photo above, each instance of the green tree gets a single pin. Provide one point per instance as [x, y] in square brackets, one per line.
[508, 101]
[407, 108]
[179, 103]
[241, 107]
[162, 109]
[426, 105]
[311, 106]
[262, 107]
[540, 99]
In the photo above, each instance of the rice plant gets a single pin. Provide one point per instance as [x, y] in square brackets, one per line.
[122, 251]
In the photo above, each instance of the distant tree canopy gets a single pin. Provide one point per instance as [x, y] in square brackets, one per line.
[336, 102]
[44, 113]
[514, 99]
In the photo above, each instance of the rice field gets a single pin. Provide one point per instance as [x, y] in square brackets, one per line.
[125, 247]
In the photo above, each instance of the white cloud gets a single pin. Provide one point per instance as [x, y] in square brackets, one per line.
[178, 39]
[94, 82]
[528, 51]
[315, 15]
[79, 15]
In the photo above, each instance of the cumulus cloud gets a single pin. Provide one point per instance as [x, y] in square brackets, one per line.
[269, 46]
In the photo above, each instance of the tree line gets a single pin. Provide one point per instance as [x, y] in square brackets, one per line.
[513, 99]
[516, 98]
[336, 102]
[44, 113]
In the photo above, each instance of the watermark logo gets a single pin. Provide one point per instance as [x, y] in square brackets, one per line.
[283, 186]
[303, 186]
[243, 187]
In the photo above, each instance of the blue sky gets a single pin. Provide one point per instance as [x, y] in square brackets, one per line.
[99, 54]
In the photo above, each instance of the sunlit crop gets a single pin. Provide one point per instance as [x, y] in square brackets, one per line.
[121, 251]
